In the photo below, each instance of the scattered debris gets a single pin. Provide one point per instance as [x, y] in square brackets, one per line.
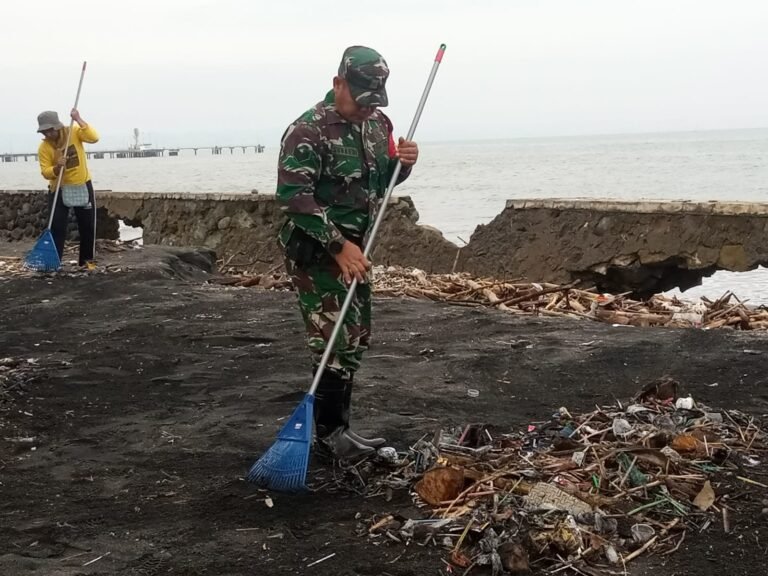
[574, 494]
[532, 298]
[567, 300]
[13, 266]
[323, 559]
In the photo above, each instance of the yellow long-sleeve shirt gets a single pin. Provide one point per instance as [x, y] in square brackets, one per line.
[76, 167]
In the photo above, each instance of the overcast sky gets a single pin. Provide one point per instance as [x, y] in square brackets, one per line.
[238, 71]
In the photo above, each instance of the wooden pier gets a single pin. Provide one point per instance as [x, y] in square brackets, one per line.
[140, 152]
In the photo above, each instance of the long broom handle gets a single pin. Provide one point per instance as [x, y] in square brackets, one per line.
[66, 146]
[379, 218]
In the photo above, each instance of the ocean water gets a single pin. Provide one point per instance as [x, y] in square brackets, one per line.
[458, 185]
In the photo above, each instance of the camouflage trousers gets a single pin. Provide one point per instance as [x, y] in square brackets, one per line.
[321, 292]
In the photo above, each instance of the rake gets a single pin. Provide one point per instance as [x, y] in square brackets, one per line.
[44, 257]
[283, 467]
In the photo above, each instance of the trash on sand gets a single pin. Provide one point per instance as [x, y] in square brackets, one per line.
[547, 299]
[621, 428]
[549, 497]
[641, 533]
[387, 454]
[573, 492]
[705, 498]
[684, 403]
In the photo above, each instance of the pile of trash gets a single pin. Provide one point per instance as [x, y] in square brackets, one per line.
[520, 297]
[517, 296]
[578, 493]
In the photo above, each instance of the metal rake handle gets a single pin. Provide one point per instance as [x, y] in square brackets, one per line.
[66, 146]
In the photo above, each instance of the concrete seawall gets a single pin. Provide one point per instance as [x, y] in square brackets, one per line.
[644, 247]
[239, 227]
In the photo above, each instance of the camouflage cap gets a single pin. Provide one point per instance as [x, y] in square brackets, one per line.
[366, 72]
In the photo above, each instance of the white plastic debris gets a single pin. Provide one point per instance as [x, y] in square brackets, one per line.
[387, 453]
[621, 427]
[685, 403]
[420, 276]
[714, 417]
[641, 533]
[693, 318]
[578, 457]
[636, 408]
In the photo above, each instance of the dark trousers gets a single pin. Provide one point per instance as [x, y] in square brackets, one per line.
[86, 225]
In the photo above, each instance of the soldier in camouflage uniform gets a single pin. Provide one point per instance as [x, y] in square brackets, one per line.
[335, 164]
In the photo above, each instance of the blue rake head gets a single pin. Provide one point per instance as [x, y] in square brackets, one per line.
[43, 257]
[283, 467]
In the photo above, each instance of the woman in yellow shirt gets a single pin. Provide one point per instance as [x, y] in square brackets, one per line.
[53, 159]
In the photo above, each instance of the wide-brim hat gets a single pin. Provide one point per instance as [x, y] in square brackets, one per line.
[47, 120]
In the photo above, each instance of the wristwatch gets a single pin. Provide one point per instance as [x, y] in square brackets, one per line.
[335, 246]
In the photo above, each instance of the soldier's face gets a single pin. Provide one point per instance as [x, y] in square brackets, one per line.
[346, 105]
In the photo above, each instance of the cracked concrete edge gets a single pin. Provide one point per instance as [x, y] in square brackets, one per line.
[642, 206]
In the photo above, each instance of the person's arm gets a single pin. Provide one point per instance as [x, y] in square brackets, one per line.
[298, 171]
[87, 133]
[49, 167]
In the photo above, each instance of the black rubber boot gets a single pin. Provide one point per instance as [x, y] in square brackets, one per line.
[351, 434]
[332, 417]
[329, 404]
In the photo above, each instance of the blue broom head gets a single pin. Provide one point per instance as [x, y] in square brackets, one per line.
[43, 257]
[283, 467]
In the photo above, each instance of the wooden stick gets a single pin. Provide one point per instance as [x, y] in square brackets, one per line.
[677, 546]
[528, 296]
[97, 559]
[323, 559]
[639, 551]
[472, 487]
[638, 489]
[383, 522]
[753, 482]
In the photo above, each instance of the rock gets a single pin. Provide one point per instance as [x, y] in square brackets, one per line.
[224, 223]
[665, 388]
[514, 558]
[440, 485]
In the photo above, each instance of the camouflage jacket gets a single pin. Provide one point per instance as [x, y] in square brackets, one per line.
[332, 173]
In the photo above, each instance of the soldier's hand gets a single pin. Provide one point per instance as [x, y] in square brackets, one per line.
[408, 152]
[352, 262]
